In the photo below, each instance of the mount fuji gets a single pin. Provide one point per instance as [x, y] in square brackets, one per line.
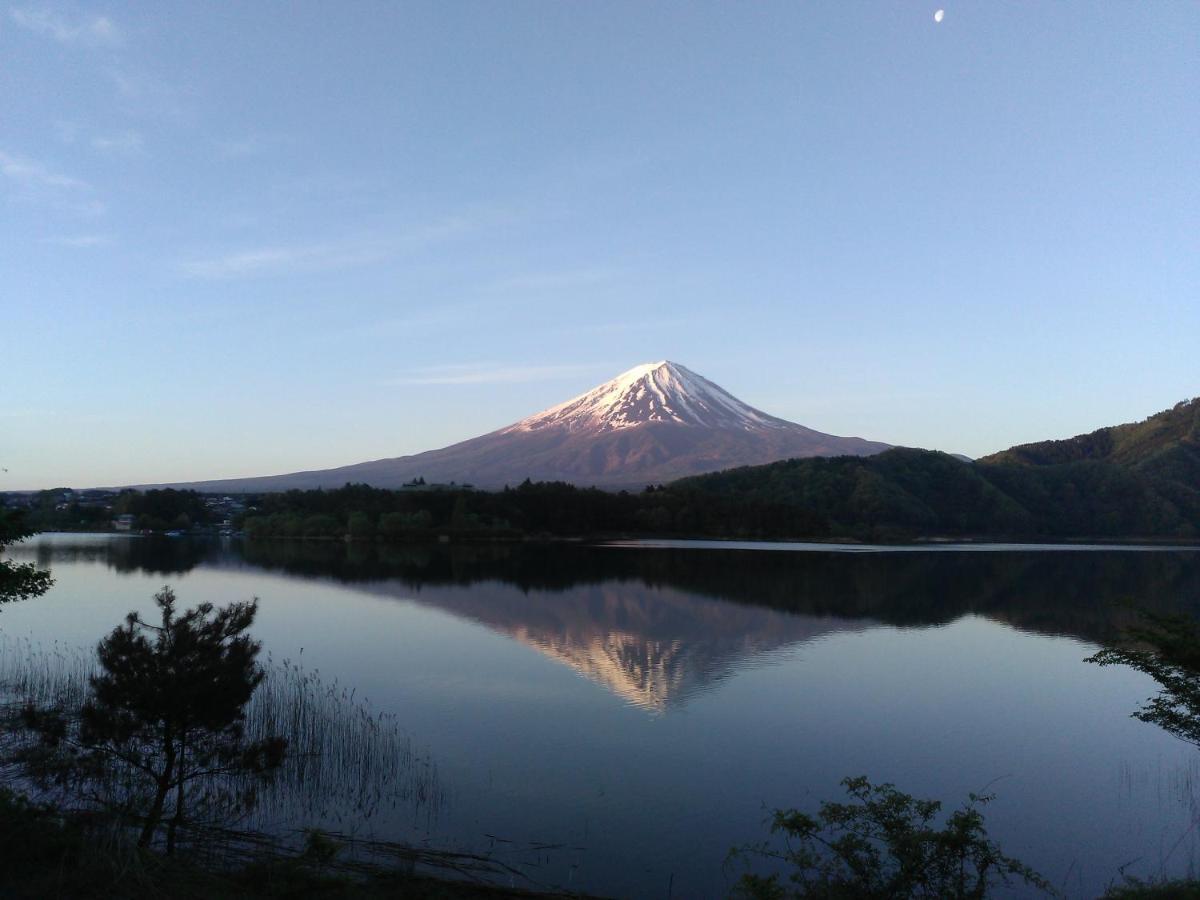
[655, 423]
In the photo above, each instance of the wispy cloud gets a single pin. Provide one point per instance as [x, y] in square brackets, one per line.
[484, 373]
[555, 280]
[89, 31]
[314, 257]
[126, 143]
[80, 241]
[30, 173]
[32, 181]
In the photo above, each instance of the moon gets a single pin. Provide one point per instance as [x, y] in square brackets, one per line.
[939, 15]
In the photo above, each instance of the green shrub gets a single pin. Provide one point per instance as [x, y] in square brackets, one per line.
[882, 846]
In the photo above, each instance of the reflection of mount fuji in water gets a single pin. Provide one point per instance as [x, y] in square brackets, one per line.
[657, 626]
[655, 647]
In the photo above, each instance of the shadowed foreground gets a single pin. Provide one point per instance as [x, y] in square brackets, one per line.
[49, 855]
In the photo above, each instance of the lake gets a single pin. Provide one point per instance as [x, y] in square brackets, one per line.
[616, 718]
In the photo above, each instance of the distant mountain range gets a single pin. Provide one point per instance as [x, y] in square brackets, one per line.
[653, 424]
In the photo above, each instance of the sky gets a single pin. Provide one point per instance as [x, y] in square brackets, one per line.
[242, 239]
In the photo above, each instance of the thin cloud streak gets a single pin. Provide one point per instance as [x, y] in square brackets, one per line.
[33, 182]
[288, 259]
[29, 173]
[80, 241]
[90, 31]
[478, 373]
[127, 143]
[557, 280]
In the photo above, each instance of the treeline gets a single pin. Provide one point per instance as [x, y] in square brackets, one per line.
[898, 495]
[905, 492]
[61, 509]
[550, 509]
[159, 510]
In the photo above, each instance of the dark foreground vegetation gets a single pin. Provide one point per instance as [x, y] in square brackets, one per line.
[883, 845]
[49, 853]
[18, 581]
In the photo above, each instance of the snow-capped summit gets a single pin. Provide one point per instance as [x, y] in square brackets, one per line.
[653, 392]
[652, 424]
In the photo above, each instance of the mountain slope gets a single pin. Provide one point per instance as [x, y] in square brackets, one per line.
[1163, 449]
[1137, 480]
[903, 493]
[651, 424]
[1173, 434]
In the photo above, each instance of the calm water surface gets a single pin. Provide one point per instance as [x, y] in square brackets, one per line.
[616, 718]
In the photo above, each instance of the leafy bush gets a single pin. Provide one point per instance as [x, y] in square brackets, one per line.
[883, 844]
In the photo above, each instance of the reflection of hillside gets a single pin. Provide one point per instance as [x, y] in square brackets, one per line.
[1080, 594]
[653, 647]
[657, 625]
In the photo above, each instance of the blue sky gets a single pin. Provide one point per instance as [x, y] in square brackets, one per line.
[252, 238]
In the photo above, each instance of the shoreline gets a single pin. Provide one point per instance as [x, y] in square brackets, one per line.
[631, 541]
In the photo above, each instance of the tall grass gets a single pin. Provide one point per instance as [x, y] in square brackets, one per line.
[345, 764]
[53, 675]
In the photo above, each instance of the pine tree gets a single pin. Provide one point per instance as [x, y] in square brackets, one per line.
[167, 711]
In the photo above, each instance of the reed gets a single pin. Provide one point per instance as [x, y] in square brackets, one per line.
[346, 763]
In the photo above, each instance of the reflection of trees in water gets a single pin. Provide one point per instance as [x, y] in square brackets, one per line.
[658, 625]
[153, 555]
[1082, 594]
[1078, 593]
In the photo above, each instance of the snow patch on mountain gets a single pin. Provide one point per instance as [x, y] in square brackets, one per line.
[654, 392]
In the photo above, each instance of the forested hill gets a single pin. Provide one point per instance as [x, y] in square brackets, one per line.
[906, 492]
[1166, 444]
[898, 495]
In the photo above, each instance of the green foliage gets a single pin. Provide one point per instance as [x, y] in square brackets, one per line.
[1135, 444]
[61, 509]
[909, 493]
[884, 844]
[529, 509]
[359, 526]
[167, 709]
[321, 525]
[159, 510]
[18, 581]
[400, 524]
[1167, 648]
